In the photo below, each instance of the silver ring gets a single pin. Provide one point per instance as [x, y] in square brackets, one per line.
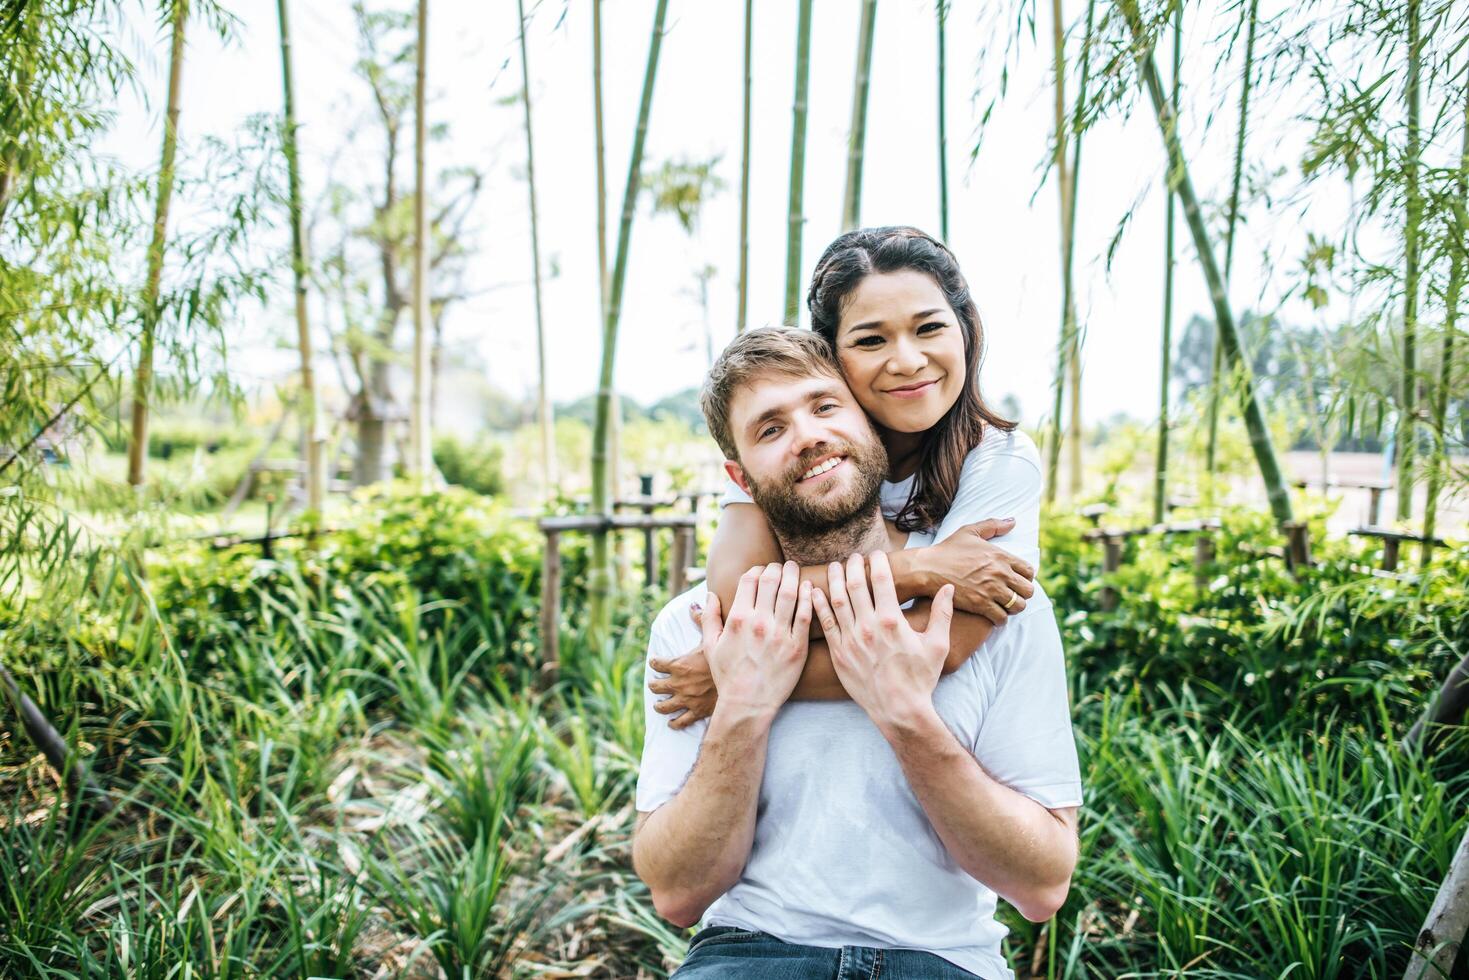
[1013, 596]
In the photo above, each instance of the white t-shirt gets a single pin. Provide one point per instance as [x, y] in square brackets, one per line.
[1001, 477]
[843, 853]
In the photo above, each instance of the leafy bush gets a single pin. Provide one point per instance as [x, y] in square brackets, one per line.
[1337, 640]
[477, 466]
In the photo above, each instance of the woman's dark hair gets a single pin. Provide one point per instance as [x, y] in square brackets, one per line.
[858, 254]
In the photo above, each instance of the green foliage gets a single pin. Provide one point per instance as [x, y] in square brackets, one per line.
[477, 466]
[1337, 642]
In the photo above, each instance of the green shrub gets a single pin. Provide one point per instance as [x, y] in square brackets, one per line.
[477, 465]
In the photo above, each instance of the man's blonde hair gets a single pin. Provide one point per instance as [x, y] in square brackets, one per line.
[781, 351]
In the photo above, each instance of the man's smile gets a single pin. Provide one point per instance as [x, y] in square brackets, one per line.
[821, 469]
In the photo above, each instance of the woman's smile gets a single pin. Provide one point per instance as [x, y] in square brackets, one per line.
[915, 390]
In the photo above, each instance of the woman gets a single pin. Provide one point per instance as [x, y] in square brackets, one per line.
[897, 311]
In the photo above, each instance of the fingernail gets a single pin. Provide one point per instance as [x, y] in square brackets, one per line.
[696, 607]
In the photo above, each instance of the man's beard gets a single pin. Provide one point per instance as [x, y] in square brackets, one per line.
[793, 514]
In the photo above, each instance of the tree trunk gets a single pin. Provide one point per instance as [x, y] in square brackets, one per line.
[1160, 479]
[942, 11]
[1408, 410]
[1450, 324]
[1183, 186]
[857, 134]
[1216, 366]
[744, 284]
[309, 407]
[1443, 931]
[420, 463]
[143, 378]
[599, 580]
[614, 441]
[548, 441]
[1073, 353]
[1063, 185]
[798, 166]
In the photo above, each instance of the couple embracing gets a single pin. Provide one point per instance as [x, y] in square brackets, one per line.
[858, 734]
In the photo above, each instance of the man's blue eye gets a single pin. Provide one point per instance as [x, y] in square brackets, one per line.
[769, 431]
[828, 405]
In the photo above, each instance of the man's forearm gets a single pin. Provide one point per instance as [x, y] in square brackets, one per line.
[693, 849]
[1005, 840]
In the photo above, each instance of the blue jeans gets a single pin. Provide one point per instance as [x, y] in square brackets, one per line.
[727, 953]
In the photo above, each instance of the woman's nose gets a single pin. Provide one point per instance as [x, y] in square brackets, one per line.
[906, 358]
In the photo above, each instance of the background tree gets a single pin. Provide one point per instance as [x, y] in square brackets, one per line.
[1160, 479]
[1260, 443]
[795, 217]
[1412, 217]
[857, 134]
[548, 439]
[419, 433]
[744, 274]
[941, 13]
[308, 405]
[599, 579]
[143, 375]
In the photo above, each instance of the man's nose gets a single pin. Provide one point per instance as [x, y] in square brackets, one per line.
[807, 432]
[905, 358]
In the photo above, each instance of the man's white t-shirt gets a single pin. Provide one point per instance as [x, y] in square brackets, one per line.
[843, 853]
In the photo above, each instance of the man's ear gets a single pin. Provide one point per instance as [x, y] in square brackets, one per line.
[736, 472]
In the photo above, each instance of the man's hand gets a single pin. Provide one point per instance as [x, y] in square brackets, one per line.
[887, 667]
[987, 579]
[756, 655]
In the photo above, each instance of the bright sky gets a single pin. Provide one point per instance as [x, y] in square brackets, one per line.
[1004, 224]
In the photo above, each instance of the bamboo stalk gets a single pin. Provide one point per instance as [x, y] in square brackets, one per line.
[794, 218]
[857, 135]
[420, 449]
[1255, 424]
[1160, 478]
[1216, 361]
[143, 377]
[548, 440]
[614, 447]
[309, 407]
[1073, 353]
[1063, 185]
[942, 10]
[1408, 410]
[744, 283]
[599, 580]
[1452, 290]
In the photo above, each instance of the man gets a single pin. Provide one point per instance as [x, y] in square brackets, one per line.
[842, 839]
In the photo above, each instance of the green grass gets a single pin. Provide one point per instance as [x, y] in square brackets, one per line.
[340, 763]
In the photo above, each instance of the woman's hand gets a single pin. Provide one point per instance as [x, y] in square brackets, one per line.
[988, 580]
[689, 684]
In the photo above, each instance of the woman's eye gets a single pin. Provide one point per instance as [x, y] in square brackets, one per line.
[931, 328]
[869, 341]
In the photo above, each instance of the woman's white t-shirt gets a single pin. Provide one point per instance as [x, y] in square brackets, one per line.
[1001, 477]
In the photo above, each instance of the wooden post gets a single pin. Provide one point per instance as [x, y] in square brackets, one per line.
[679, 558]
[1447, 708]
[551, 609]
[1390, 554]
[1374, 509]
[1203, 558]
[650, 544]
[1111, 561]
[1298, 546]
